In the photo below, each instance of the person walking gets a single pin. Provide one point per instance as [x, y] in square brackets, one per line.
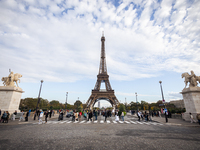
[46, 116]
[21, 116]
[106, 115]
[14, 114]
[198, 117]
[80, 115]
[40, 116]
[76, 116]
[122, 115]
[27, 114]
[192, 118]
[138, 115]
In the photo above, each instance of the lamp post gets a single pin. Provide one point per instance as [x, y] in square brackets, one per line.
[136, 100]
[38, 98]
[66, 100]
[162, 92]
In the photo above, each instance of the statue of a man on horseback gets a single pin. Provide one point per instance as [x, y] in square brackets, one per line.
[11, 79]
[192, 79]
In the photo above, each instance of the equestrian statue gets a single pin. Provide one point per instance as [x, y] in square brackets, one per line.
[11, 79]
[192, 79]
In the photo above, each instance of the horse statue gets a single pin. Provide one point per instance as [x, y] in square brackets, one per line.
[16, 78]
[187, 78]
[9, 81]
[192, 79]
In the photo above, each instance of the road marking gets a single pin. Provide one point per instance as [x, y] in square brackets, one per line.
[69, 122]
[127, 122]
[146, 123]
[88, 121]
[82, 121]
[108, 121]
[95, 121]
[133, 122]
[121, 122]
[76, 121]
[101, 121]
[114, 122]
[139, 122]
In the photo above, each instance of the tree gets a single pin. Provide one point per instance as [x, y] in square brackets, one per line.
[121, 107]
[77, 104]
[55, 104]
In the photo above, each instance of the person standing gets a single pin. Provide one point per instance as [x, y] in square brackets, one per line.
[122, 115]
[198, 117]
[21, 116]
[95, 114]
[192, 118]
[4, 117]
[50, 114]
[90, 115]
[46, 116]
[8, 115]
[166, 116]
[14, 114]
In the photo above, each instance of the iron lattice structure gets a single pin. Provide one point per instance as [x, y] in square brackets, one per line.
[107, 94]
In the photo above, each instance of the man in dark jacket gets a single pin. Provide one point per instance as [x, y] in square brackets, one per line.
[106, 115]
[90, 115]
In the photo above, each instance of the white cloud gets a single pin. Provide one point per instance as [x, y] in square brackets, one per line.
[43, 41]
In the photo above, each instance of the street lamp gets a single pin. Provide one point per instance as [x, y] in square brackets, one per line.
[162, 92]
[136, 100]
[38, 98]
[66, 100]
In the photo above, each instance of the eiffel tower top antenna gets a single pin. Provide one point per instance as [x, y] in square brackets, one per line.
[102, 67]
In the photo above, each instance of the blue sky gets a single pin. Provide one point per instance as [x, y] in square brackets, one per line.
[59, 41]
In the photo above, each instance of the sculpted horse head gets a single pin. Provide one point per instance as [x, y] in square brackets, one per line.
[186, 76]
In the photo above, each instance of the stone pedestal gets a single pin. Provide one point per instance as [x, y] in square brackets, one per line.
[191, 97]
[10, 98]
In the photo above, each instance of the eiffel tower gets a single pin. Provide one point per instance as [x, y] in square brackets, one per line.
[108, 93]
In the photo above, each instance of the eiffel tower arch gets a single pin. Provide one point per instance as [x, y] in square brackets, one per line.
[98, 94]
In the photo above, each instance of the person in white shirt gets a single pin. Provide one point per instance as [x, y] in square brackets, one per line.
[40, 116]
[192, 118]
[139, 115]
[21, 116]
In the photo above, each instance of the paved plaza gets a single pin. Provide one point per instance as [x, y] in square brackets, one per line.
[129, 134]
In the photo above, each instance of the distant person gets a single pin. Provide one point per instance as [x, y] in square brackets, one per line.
[76, 116]
[46, 116]
[122, 115]
[27, 114]
[95, 114]
[40, 116]
[138, 115]
[21, 116]
[8, 115]
[14, 114]
[0, 112]
[116, 116]
[106, 115]
[90, 116]
[4, 117]
[192, 118]
[166, 116]
[80, 114]
[198, 117]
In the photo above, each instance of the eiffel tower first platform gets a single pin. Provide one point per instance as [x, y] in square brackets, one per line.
[108, 93]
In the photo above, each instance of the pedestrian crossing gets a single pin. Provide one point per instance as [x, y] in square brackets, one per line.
[101, 122]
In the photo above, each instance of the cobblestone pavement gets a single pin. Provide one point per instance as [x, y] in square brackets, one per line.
[98, 136]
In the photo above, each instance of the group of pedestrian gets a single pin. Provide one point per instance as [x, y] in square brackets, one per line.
[4, 117]
[144, 116]
[197, 117]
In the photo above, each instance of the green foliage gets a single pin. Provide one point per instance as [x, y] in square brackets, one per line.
[77, 104]
[121, 107]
